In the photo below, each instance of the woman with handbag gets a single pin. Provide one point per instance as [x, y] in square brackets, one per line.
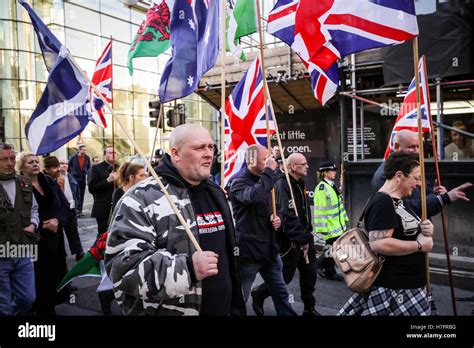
[396, 233]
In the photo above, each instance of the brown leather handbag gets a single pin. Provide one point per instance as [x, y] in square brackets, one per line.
[359, 264]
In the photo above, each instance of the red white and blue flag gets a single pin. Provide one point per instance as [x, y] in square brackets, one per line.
[408, 114]
[321, 32]
[194, 36]
[245, 122]
[102, 78]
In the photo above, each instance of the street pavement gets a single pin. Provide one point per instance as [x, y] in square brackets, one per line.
[330, 295]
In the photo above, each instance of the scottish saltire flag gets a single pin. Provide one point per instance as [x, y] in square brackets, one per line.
[245, 122]
[408, 114]
[49, 44]
[102, 78]
[322, 32]
[61, 113]
[195, 46]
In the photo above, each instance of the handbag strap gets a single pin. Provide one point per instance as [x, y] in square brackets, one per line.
[360, 222]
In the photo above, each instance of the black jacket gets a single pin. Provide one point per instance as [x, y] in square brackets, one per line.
[101, 189]
[296, 229]
[251, 202]
[434, 203]
[166, 170]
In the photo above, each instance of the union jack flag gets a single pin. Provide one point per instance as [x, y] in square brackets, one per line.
[408, 115]
[102, 78]
[321, 32]
[245, 122]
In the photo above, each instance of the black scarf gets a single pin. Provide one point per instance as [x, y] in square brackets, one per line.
[7, 177]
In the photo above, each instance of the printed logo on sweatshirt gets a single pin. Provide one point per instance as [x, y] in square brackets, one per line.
[210, 222]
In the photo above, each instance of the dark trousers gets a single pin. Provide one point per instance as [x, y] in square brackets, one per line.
[291, 261]
[72, 235]
[102, 225]
[82, 190]
[325, 261]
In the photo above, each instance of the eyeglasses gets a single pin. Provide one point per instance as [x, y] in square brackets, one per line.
[12, 159]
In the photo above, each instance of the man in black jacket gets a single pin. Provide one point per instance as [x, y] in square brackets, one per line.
[101, 185]
[79, 165]
[437, 197]
[147, 247]
[256, 226]
[295, 240]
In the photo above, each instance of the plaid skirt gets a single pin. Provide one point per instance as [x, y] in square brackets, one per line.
[391, 302]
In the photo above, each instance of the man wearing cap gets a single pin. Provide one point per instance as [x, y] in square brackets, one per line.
[159, 153]
[52, 167]
[329, 217]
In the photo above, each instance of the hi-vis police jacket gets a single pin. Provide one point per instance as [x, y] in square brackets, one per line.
[329, 214]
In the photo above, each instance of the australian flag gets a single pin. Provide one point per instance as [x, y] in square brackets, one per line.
[61, 113]
[195, 46]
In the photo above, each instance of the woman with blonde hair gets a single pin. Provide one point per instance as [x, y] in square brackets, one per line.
[50, 266]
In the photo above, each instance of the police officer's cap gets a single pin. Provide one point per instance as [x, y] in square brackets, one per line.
[327, 166]
[159, 153]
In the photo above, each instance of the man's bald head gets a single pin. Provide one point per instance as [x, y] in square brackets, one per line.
[184, 133]
[297, 165]
[406, 140]
[255, 158]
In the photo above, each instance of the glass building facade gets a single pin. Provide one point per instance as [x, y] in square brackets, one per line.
[85, 27]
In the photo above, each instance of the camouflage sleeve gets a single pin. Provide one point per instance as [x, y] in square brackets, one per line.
[135, 266]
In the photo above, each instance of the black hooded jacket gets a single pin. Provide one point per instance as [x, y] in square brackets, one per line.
[171, 174]
[296, 229]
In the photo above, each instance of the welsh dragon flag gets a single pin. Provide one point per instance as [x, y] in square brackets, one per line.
[241, 21]
[153, 36]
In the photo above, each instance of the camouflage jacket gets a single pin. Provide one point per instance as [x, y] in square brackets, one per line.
[148, 252]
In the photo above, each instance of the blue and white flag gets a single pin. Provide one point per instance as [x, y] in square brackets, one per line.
[195, 44]
[61, 113]
[48, 43]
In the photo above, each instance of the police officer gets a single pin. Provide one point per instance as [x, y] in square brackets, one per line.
[329, 217]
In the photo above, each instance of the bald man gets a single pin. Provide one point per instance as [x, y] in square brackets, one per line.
[437, 197]
[256, 227]
[149, 257]
[295, 240]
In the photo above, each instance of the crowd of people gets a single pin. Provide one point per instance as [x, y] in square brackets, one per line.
[262, 223]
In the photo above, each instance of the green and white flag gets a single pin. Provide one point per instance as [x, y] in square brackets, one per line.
[88, 266]
[153, 36]
[241, 21]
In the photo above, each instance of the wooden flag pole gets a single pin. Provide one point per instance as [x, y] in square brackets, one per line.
[113, 118]
[285, 168]
[223, 115]
[141, 153]
[265, 92]
[422, 155]
[438, 179]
